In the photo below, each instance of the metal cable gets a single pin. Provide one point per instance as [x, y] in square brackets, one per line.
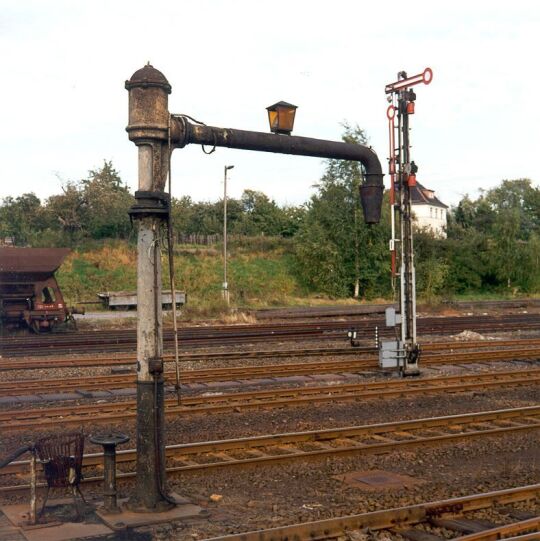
[156, 376]
[170, 242]
[183, 116]
[157, 439]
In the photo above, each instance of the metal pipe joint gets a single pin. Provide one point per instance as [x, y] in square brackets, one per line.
[147, 203]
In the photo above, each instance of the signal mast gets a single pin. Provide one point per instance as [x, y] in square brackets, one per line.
[403, 352]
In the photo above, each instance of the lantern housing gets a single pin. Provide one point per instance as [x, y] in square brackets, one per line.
[281, 117]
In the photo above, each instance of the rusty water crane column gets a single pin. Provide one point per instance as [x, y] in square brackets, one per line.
[156, 133]
[148, 128]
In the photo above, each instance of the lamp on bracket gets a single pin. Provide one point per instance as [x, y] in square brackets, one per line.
[281, 117]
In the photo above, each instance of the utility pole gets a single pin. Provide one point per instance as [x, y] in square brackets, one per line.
[404, 352]
[225, 283]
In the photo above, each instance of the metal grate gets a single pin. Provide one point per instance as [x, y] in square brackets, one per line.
[61, 456]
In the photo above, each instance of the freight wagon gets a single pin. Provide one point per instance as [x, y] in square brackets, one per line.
[29, 293]
[127, 300]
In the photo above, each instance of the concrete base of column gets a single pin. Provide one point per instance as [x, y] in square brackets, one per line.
[150, 493]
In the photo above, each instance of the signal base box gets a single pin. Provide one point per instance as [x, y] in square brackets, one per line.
[392, 317]
[391, 354]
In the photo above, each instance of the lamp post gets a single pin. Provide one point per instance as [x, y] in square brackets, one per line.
[225, 284]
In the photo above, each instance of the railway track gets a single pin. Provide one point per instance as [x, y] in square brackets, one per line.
[282, 448]
[115, 412]
[118, 341]
[80, 362]
[124, 359]
[119, 381]
[303, 312]
[416, 522]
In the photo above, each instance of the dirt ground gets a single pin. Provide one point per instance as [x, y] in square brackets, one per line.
[247, 498]
[253, 497]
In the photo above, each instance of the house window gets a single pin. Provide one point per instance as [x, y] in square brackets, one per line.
[431, 212]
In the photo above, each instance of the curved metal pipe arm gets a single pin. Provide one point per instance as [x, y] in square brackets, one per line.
[16, 454]
[184, 132]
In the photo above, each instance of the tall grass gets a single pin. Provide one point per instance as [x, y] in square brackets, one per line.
[263, 276]
[111, 267]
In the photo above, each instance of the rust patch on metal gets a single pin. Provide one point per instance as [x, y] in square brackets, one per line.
[378, 480]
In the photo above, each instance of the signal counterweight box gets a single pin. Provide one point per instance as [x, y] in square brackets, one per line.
[391, 354]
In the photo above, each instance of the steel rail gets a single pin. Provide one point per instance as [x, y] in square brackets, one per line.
[124, 359]
[310, 312]
[279, 448]
[108, 382]
[525, 537]
[254, 333]
[63, 417]
[83, 337]
[499, 532]
[81, 362]
[388, 519]
[187, 376]
[265, 328]
[365, 334]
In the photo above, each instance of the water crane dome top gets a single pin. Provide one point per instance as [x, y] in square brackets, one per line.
[148, 76]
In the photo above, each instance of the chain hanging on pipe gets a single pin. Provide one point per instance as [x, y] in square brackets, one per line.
[170, 246]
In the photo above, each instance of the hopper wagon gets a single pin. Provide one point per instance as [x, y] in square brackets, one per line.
[29, 293]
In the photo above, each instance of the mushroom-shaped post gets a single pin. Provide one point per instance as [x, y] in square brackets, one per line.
[109, 441]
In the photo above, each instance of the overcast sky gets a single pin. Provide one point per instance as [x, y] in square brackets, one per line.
[64, 106]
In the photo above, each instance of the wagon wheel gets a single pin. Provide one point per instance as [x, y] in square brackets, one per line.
[71, 324]
[34, 326]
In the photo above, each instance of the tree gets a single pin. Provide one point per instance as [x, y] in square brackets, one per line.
[261, 215]
[22, 218]
[333, 219]
[492, 240]
[320, 261]
[95, 207]
[67, 210]
[106, 201]
[252, 215]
